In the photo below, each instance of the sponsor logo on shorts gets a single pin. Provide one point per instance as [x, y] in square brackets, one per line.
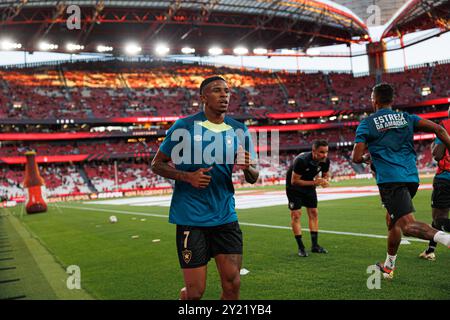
[291, 205]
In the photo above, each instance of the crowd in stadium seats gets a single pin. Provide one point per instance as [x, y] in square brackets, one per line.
[440, 81]
[425, 161]
[309, 92]
[305, 138]
[130, 175]
[63, 180]
[352, 93]
[172, 89]
[11, 180]
[59, 179]
[408, 84]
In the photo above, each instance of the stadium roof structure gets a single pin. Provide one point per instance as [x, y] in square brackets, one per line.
[419, 15]
[271, 24]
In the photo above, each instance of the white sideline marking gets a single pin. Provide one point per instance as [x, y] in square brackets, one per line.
[118, 211]
[247, 199]
[243, 223]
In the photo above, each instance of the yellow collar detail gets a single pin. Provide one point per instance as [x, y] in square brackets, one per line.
[217, 128]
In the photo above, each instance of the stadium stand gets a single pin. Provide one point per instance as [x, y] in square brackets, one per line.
[172, 89]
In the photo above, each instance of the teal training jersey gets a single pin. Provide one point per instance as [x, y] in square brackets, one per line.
[390, 139]
[192, 143]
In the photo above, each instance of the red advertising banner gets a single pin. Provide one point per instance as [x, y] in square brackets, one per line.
[46, 159]
[76, 135]
[305, 127]
[306, 114]
[431, 102]
[434, 115]
[50, 136]
[144, 119]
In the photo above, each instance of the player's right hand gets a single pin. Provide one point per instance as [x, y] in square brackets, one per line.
[199, 179]
[325, 183]
[367, 158]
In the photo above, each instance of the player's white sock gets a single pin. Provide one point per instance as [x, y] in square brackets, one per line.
[442, 237]
[390, 261]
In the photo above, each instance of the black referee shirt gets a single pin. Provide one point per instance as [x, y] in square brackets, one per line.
[307, 168]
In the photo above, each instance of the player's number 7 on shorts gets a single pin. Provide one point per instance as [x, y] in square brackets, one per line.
[186, 233]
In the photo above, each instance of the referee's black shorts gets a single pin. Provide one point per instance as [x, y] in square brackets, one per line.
[440, 198]
[307, 197]
[197, 245]
[397, 199]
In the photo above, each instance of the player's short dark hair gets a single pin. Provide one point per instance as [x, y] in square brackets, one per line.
[383, 93]
[320, 143]
[208, 81]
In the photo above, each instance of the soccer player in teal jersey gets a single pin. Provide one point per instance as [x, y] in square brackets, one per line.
[204, 148]
[389, 137]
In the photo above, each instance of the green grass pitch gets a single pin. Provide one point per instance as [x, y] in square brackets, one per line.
[114, 265]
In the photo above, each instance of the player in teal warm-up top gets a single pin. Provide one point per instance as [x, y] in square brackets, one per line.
[204, 148]
[389, 137]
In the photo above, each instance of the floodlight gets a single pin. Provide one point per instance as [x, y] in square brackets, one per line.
[260, 51]
[240, 50]
[132, 49]
[215, 51]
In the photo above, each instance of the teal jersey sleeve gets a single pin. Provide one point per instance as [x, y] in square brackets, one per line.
[169, 143]
[362, 132]
[437, 141]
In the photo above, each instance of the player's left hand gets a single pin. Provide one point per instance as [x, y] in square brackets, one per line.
[243, 159]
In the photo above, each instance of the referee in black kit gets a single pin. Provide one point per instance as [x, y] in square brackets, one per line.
[301, 183]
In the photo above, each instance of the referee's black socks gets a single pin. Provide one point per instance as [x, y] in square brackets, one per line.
[314, 238]
[299, 242]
